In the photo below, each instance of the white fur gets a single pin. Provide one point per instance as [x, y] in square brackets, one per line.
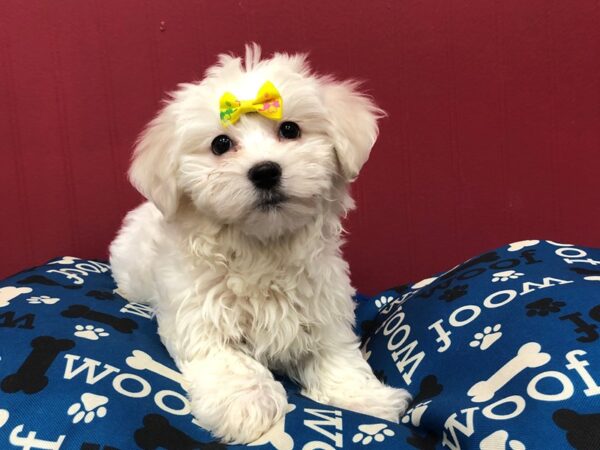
[240, 290]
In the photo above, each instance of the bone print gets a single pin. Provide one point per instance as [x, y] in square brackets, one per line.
[31, 376]
[528, 356]
[40, 279]
[425, 442]
[159, 433]
[9, 293]
[582, 430]
[143, 361]
[428, 389]
[123, 325]
[516, 246]
[589, 274]
[101, 295]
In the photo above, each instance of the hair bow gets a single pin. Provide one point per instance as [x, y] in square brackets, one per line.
[268, 103]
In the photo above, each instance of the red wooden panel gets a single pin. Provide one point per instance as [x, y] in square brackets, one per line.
[493, 132]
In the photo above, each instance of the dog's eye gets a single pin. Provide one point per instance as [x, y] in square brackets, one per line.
[289, 130]
[221, 144]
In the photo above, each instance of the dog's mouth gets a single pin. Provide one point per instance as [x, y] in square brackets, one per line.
[271, 200]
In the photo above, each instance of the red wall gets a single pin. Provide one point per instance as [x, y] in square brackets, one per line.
[493, 132]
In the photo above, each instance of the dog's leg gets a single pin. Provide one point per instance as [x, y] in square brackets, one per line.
[339, 376]
[233, 395]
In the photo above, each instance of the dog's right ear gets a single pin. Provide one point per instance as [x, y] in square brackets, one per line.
[153, 170]
[353, 124]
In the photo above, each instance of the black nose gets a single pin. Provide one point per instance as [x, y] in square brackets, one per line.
[265, 175]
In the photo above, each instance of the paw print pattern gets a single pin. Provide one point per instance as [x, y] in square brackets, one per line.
[90, 407]
[376, 431]
[415, 413]
[381, 302]
[45, 299]
[543, 307]
[499, 439]
[453, 293]
[506, 275]
[90, 332]
[485, 339]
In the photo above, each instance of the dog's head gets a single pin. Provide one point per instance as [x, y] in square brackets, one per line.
[267, 177]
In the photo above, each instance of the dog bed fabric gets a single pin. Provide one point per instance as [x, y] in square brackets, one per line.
[499, 353]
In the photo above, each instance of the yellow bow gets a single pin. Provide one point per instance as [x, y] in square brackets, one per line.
[268, 103]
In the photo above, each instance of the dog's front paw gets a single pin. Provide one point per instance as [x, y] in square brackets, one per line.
[386, 403]
[376, 400]
[239, 411]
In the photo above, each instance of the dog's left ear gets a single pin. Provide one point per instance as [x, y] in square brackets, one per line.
[353, 124]
[153, 168]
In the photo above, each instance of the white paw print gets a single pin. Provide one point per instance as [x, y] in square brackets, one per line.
[90, 332]
[90, 407]
[485, 339]
[499, 439]
[367, 433]
[414, 414]
[45, 299]
[381, 302]
[506, 275]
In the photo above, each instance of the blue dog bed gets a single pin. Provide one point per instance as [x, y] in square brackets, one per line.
[499, 353]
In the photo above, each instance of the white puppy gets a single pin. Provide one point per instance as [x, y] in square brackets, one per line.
[238, 247]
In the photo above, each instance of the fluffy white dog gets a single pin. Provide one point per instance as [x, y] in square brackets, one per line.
[238, 247]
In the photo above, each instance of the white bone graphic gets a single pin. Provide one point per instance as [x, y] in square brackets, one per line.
[516, 246]
[423, 283]
[529, 356]
[592, 278]
[143, 361]
[9, 293]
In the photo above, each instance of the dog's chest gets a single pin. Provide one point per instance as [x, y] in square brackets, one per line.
[275, 311]
[273, 302]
